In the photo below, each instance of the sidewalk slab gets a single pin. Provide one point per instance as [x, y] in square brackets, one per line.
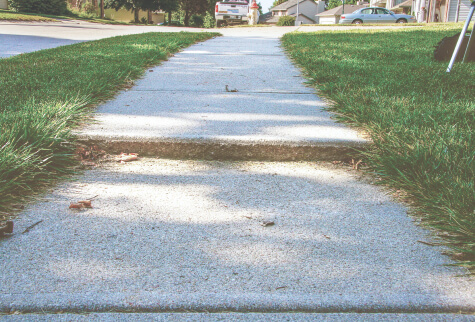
[217, 99]
[170, 235]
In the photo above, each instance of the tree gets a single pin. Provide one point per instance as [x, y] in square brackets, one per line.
[336, 3]
[169, 6]
[191, 7]
[134, 5]
[277, 2]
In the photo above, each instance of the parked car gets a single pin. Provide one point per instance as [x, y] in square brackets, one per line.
[375, 15]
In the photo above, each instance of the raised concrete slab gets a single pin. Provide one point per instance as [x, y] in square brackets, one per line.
[188, 235]
[216, 99]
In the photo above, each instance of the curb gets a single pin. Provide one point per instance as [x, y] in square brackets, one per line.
[222, 302]
[235, 151]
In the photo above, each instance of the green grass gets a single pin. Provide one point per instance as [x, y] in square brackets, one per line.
[43, 95]
[420, 118]
[73, 14]
[10, 15]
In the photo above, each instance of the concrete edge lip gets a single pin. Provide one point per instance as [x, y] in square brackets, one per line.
[223, 302]
[208, 149]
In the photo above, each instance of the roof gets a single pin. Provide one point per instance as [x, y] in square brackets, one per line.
[275, 19]
[349, 8]
[301, 14]
[405, 4]
[287, 4]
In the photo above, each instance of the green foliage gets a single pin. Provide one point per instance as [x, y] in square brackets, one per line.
[192, 7]
[286, 21]
[196, 21]
[336, 3]
[9, 15]
[419, 117]
[209, 21]
[46, 93]
[53, 7]
[169, 5]
[89, 8]
[277, 2]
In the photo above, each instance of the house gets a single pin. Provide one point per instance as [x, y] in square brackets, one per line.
[122, 15]
[156, 17]
[404, 7]
[307, 10]
[429, 10]
[332, 16]
[3, 4]
[446, 10]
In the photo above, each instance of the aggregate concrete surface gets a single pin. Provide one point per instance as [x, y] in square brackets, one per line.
[196, 236]
[236, 89]
[172, 235]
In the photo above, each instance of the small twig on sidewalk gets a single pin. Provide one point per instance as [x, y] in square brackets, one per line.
[29, 228]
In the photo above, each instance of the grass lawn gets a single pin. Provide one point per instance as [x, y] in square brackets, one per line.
[46, 93]
[420, 118]
[10, 15]
[22, 16]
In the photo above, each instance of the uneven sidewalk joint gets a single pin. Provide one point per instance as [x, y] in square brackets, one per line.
[215, 150]
[218, 303]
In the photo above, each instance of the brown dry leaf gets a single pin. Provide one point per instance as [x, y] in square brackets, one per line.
[127, 157]
[86, 203]
[86, 154]
[355, 164]
[76, 206]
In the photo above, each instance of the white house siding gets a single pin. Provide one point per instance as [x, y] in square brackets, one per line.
[3, 4]
[308, 8]
[306, 20]
[329, 20]
[463, 13]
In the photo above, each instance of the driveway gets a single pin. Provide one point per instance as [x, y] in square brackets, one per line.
[24, 37]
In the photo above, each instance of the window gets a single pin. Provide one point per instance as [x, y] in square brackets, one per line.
[366, 11]
[381, 11]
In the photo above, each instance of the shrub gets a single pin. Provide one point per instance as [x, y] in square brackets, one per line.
[286, 21]
[196, 21]
[89, 8]
[54, 7]
[209, 21]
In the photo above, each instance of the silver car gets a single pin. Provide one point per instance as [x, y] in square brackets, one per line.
[375, 15]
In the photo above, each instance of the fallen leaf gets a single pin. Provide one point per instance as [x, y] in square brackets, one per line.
[127, 157]
[76, 206]
[86, 203]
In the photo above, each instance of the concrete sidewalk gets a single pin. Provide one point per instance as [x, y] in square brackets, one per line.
[233, 97]
[225, 236]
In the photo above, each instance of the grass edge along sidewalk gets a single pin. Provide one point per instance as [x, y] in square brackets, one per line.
[44, 94]
[420, 118]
